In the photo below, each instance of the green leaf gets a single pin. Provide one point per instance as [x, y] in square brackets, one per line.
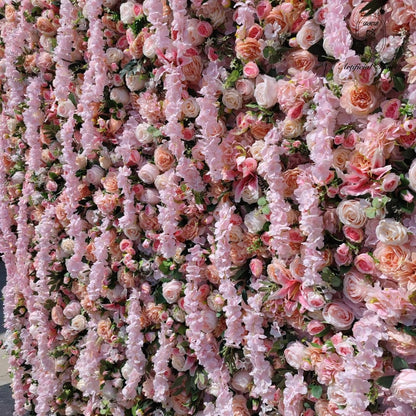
[165, 266]
[72, 98]
[268, 51]
[373, 6]
[371, 212]
[399, 82]
[154, 131]
[399, 364]
[266, 210]
[316, 391]
[232, 78]
[262, 201]
[385, 381]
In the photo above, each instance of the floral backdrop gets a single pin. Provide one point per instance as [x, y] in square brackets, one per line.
[207, 206]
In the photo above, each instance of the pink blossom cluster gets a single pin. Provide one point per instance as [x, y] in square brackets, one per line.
[208, 206]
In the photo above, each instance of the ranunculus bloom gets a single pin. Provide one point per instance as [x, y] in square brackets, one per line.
[358, 99]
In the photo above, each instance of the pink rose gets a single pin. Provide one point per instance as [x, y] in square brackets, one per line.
[204, 29]
[315, 327]
[242, 381]
[338, 315]
[263, 9]
[343, 255]
[297, 356]
[94, 175]
[172, 290]
[246, 88]
[362, 26]
[390, 108]
[364, 263]
[390, 182]
[404, 387]
[251, 70]
[355, 287]
[355, 235]
[72, 309]
[266, 91]
[256, 267]
[208, 321]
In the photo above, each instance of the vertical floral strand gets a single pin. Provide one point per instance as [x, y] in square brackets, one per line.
[270, 168]
[205, 345]
[221, 259]
[48, 382]
[261, 368]
[136, 360]
[311, 225]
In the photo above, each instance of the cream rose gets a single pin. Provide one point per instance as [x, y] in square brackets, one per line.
[120, 95]
[148, 173]
[242, 381]
[79, 323]
[190, 107]
[340, 158]
[171, 291]
[391, 232]
[127, 13]
[266, 91]
[404, 387]
[232, 99]
[143, 136]
[352, 212]
[292, 128]
[254, 221]
[309, 34]
[65, 108]
[149, 47]
[113, 55]
[134, 82]
[256, 149]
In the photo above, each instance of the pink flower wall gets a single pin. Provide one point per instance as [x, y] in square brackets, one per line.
[207, 206]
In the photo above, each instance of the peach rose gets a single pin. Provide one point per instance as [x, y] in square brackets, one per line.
[401, 344]
[357, 99]
[104, 329]
[240, 406]
[394, 261]
[110, 182]
[45, 26]
[301, 60]
[193, 69]
[163, 158]
[248, 49]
